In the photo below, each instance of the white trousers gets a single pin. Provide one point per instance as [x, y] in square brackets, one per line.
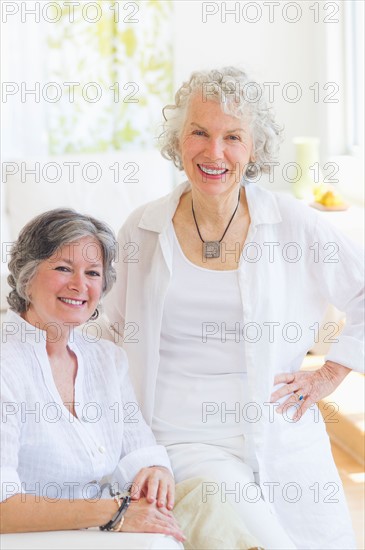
[223, 462]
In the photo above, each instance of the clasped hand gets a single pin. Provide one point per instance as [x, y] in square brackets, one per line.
[145, 517]
[152, 493]
[307, 388]
[156, 484]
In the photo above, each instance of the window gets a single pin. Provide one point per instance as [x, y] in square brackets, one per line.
[354, 75]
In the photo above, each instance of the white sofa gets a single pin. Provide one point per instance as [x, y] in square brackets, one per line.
[90, 539]
[143, 176]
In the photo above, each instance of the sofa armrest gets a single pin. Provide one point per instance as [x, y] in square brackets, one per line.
[87, 539]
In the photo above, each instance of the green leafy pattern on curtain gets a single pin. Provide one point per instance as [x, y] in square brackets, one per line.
[114, 66]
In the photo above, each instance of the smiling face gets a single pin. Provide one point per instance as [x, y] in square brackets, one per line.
[67, 286]
[215, 147]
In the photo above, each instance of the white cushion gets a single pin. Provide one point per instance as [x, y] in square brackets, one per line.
[143, 176]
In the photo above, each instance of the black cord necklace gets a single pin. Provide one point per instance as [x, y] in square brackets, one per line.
[212, 249]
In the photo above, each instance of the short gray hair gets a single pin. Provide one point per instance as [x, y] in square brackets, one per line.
[239, 96]
[42, 237]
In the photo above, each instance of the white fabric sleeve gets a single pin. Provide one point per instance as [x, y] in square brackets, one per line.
[10, 432]
[339, 271]
[132, 463]
[139, 448]
[115, 300]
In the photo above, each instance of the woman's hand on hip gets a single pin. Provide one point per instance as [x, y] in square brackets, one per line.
[144, 517]
[306, 388]
[156, 484]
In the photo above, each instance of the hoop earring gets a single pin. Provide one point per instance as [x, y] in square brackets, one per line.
[252, 170]
[95, 315]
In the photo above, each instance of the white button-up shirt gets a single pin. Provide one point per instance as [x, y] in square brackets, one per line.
[45, 450]
[293, 265]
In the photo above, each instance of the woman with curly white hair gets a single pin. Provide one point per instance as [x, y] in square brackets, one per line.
[224, 284]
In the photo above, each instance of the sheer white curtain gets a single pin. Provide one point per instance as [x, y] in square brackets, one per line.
[125, 57]
[126, 53]
[23, 55]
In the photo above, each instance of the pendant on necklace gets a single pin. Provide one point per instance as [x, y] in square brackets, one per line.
[211, 249]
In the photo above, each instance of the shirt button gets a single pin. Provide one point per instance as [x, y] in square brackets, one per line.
[101, 449]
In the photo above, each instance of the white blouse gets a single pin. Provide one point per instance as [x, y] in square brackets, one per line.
[45, 450]
[197, 380]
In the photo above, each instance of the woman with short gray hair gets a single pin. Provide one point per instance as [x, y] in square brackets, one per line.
[60, 267]
[227, 287]
[46, 234]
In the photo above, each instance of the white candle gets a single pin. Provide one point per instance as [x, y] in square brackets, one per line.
[306, 149]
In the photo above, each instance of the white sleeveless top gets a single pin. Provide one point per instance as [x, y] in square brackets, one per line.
[200, 391]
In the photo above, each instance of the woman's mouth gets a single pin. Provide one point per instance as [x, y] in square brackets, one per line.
[72, 302]
[210, 172]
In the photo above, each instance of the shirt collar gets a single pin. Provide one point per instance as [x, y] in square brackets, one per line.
[152, 219]
[262, 205]
[16, 328]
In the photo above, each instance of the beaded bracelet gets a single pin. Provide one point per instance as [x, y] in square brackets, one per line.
[118, 527]
[119, 520]
[115, 524]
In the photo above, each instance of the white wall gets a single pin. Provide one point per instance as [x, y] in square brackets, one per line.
[278, 51]
[272, 50]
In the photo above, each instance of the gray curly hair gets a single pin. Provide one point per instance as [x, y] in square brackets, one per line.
[42, 237]
[239, 96]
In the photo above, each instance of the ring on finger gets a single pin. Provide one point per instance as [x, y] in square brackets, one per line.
[299, 396]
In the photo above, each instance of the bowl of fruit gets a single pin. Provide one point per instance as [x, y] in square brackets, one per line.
[327, 198]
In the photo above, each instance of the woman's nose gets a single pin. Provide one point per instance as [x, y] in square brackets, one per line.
[214, 149]
[77, 282]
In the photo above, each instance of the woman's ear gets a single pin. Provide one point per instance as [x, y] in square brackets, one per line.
[177, 148]
[28, 293]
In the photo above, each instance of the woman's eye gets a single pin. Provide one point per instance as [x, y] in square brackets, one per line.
[234, 138]
[93, 273]
[199, 133]
[62, 268]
